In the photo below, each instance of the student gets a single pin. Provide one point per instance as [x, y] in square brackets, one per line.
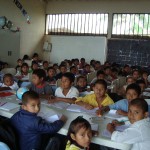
[136, 74]
[122, 91]
[145, 77]
[19, 64]
[30, 127]
[39, 85]
[51, 79]
[63, 69]
[86, 69]
[98, 99]
[66, 93]
[34, 66]
[107, 71]
[79, 134]
[9, 83]
[142, 84]
[99, 75]
[81, 84]
[45, 65]
[125, 71]
[139, 130]
[82, 63]
[97, 65]
[133, 91]
[74, 70]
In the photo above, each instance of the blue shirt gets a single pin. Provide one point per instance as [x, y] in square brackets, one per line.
[29, 128]
[120, 105]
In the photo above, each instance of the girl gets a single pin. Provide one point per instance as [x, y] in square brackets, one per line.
[79, 134]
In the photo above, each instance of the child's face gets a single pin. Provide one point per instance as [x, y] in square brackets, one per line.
[51, 72]
[35, 66]
[19, 62]
[81, 82]
[45, 65]
[73, 70]
[131, 94]
[8, 81]
[65, 83]
[108, 71]
[33, 106]
[36, 80]
[25, 69]
[83, 137]
[135, 113]
[87, 68]
[136, 75]
[101, 76]
[63, 70]
[99, 90]
[130, 81]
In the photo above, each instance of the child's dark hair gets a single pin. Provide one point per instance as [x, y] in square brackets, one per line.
[62, 66]
[72, 67]
[140, 82]
[7, 75]
[76, 125]
[70, 76]
[40, 73]
[101, 81]
[29, 95]
[81, 77]
[24, 64]
[100, 72]
[140, 102]
[51, 68]
[45, 62]
[135, 87]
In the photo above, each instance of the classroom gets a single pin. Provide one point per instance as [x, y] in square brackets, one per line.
[80, 69]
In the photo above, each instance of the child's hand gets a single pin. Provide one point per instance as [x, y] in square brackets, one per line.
[63, 118]
[51, 99]
[121, 112]
[117, 123]
[110, 127]
[88, 106]
[99, 112]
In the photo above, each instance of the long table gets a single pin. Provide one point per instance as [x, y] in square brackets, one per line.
[102, 122]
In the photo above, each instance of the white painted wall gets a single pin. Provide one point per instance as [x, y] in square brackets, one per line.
[69, 47]
[31, 36]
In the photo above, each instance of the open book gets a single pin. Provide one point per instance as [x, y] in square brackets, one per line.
[8, 106]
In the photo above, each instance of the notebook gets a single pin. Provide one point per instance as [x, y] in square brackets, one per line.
[8, 106]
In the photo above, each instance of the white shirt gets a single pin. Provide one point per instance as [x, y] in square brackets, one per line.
[73, 93]
[137, 134]
[13, 87]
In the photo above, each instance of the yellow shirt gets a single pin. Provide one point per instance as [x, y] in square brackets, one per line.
[91, 99]
[71, 146]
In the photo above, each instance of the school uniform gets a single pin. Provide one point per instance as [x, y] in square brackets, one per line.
[72, 93]
[73, 147]
[137, 134]
[13, 87]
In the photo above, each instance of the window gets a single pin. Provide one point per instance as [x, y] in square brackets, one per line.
[77, 24]
[131, 25]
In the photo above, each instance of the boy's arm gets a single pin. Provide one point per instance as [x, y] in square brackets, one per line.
[121, 112]
[85, 105]
[102, 110]
[43, 126]
[110, 127]
[66, 100]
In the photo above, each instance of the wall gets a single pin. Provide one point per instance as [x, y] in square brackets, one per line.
[31, 35]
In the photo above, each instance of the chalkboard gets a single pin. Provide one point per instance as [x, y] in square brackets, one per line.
[69, 47]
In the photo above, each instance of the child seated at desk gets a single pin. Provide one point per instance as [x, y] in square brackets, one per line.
[30, 127]
[51, 76]
[79, 134]
[98, 99]
[133, 91]
[39, 85]
[81, 84]
[9, 83]
[139, 130]
[66, 93]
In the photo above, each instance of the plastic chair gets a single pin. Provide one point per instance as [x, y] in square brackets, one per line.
[9, 70]
[3, 146]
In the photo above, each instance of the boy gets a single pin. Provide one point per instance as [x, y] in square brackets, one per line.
[66, 93]
[51, 76]
[63, 69]
[39, 85]
[133, 91]
[98, 99]
[139, 130]
[30, 127]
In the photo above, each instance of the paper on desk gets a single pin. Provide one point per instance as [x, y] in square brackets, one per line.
[49, 117]
[8, 106]
[113, 115]
[106, 133]
[60, 105]
[76, 108]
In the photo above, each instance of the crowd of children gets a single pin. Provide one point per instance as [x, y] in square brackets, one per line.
[73, 75]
